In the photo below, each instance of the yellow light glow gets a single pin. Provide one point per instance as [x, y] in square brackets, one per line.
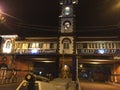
[81, 65]
[116, 6]
[9, 36]
[7, 47]
[47, 61]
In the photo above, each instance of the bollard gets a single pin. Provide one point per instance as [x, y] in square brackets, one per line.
[31, 81]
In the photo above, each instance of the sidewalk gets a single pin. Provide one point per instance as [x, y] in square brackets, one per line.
[85, 85]
[114, 83]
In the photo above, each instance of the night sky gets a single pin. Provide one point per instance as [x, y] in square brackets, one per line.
[27, 16]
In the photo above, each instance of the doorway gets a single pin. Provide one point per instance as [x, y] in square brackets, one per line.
[95, 72]
[46, 69]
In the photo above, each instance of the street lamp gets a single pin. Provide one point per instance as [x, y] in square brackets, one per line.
[2, 18]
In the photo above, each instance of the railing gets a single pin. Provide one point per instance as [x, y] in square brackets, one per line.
[98, 51]
[35, 51]
[10, 76]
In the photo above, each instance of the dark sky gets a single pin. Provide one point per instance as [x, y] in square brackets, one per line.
[98, 12]
[34, 12]
[42, 15]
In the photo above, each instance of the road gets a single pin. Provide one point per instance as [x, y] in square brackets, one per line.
[99, 86]
[84, 86]
[9, 86]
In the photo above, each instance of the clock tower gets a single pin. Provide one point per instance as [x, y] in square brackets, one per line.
[67, 37]
[67, 30]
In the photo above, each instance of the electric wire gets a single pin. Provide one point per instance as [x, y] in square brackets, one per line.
[34, 27]
[78, 28]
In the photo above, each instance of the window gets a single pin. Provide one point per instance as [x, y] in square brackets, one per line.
[95, 45]
[109, 45]
[79, 45]
[99, 46]
[89, 45]
[35, 45]
[84, 45]
[25, 46]
[51, 45]
[103, 45]
[66, 45]
[40, 45]
[113, 46]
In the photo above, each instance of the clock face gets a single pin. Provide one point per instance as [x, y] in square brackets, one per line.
[67, 10]
[67, 25]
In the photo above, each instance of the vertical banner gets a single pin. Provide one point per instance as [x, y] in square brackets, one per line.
[74, 68]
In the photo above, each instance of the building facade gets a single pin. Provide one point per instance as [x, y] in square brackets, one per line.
[93, 58]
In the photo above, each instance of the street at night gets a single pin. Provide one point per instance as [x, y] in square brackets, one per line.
[83, 85]
[60, 44]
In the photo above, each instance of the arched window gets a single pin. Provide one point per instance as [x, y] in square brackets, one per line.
[66, 45]
[66, 42]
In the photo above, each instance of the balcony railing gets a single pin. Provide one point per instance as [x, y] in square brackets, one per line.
[98, 51]
[35, 51]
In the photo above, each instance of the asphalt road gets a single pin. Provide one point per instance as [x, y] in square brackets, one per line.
[83, 85]
[9, 86]
[99, 86]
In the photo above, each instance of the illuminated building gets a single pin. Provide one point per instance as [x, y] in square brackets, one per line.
[97, 57]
